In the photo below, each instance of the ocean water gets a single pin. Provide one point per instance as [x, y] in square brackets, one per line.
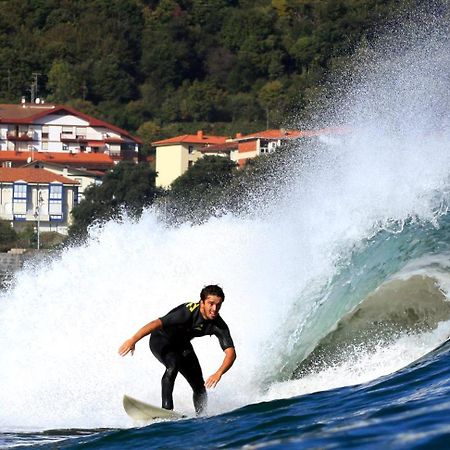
[337, 293]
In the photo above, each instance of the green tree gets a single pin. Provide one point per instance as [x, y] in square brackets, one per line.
[149, 132]
[168, 46]
[208, 173]
[271, 99]
[8, 236]
[182, 61]
[61, 82]
[202, 101]
[197, 193]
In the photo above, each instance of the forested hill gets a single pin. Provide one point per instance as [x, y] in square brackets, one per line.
[162, 67]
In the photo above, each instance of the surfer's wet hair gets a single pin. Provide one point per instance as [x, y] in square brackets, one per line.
[212, 289]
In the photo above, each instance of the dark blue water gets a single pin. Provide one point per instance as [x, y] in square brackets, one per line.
[406, 410]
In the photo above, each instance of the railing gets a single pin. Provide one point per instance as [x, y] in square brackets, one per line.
[72, 137]
[23, 137]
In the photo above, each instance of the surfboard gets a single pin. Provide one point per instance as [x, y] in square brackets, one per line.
[139, 410]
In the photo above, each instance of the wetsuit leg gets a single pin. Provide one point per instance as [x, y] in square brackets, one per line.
[190, 368]
[171, 359]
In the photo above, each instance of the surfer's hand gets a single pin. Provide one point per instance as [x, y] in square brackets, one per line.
[213, 380]
[126, 347]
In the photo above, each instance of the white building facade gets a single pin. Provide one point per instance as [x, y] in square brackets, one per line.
[29, 195]
[55, 128]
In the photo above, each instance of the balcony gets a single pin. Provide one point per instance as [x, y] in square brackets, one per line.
[114, 140]
[20, 137]
[68, 137]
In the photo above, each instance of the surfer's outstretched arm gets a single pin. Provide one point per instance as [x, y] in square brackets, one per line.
[230, 356]
[128, 345]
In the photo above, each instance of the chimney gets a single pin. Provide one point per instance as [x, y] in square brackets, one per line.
[200, 134]
[238, 135]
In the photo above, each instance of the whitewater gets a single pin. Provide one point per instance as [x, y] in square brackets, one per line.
[337, 292]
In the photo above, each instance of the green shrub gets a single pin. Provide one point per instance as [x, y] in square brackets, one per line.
[8, 236]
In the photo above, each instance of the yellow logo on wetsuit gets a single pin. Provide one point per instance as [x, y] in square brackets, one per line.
[192, 306]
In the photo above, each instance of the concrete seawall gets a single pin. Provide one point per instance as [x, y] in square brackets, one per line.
[9, 263]
[14, 260]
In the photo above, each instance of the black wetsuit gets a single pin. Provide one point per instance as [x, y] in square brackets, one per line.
[172, 347]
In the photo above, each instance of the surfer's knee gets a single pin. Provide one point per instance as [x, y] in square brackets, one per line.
[170, 373]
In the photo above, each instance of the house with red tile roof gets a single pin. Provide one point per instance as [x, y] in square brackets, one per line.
[268, 141]
[84, 177]
[262, 142]
[85, 168]
[37, 128]
[89, 161]
[175, 155]
[33, 195]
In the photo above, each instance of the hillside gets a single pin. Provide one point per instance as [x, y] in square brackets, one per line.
[163, 67]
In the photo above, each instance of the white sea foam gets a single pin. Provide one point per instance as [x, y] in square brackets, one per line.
[61, 325]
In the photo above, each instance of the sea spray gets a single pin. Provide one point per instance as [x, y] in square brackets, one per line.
[62, 323]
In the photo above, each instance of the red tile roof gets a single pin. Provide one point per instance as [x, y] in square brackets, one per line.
[28, 113]
[272, 134]
[32, 175]
[290, 134]
[82, 159]
[198, 138]
[73, 170]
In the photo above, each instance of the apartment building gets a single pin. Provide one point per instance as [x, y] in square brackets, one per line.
[31, 195]
[38, 127]
[49, 155]
[175, 155]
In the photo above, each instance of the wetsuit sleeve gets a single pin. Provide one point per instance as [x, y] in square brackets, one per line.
[178, 316]
[222, 332]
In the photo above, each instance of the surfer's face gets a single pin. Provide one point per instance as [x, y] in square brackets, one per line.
[209, 308]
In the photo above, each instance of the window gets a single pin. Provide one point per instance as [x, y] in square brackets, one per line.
[190, 149]
[77, 195]
[45, 132]
[81, 132]
[55, 192]
[20, 192]
[20, 200]
[67, 130]
[55, 196]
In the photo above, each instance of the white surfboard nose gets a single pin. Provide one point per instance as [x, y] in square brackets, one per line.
[139, 410]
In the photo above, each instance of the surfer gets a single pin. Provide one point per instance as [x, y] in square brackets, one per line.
[170, 342]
